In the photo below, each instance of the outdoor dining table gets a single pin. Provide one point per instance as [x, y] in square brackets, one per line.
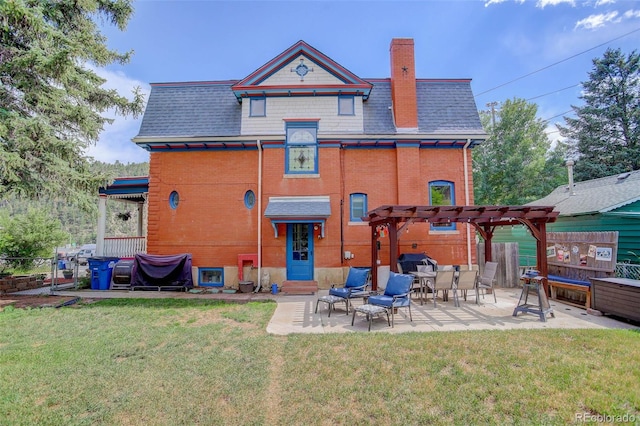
[423, 278]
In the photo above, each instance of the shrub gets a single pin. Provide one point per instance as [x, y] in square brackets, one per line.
[28, 236]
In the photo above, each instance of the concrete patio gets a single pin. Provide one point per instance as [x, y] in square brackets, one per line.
[295, 313]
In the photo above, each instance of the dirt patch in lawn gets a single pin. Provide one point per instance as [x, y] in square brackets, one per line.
[36, 301]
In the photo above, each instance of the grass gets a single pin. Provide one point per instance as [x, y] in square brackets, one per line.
[173, 362]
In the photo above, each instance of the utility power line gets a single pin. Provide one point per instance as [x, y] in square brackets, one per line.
[558, 115]
[551, 93]
[556, 63]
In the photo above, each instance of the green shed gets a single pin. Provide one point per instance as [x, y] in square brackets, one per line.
[610, 203]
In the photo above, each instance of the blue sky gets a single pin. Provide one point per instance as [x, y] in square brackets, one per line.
[490, 41]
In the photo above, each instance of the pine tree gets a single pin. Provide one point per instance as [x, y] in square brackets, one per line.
[50, 100]
[605, 135]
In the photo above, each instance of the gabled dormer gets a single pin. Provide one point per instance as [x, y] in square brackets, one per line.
[301, 70]
[302, 87]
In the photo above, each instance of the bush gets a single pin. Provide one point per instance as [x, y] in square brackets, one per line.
[26, 237]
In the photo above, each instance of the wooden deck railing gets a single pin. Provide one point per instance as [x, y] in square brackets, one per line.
[124, 246]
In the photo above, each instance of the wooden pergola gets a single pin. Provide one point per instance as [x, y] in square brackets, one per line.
[485, 219]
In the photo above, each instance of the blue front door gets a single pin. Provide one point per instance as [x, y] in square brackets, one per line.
[300, 251]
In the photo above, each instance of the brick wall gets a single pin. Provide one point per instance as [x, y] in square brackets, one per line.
[403, 84]
[214, 225]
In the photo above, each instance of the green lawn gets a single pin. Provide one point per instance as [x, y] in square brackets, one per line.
[186, 362]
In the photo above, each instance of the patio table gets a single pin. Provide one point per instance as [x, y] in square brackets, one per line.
[423, 278]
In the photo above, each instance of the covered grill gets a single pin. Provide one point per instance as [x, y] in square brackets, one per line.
[410, 261]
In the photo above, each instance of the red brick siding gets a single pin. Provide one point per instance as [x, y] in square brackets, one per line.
[403, 83]
[213, 224]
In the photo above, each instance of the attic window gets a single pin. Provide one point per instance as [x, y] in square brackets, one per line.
[623, 176]
[258, 107]
[345, 105]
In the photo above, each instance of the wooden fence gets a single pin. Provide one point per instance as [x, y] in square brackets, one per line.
[506, 254]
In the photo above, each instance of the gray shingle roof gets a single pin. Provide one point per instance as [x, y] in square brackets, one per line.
[594, 196]
[298, 207]
[211, 109]
[191, 110]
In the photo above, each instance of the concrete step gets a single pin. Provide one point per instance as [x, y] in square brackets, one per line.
[299, 287]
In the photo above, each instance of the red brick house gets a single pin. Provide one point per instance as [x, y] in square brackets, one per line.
[277, 170]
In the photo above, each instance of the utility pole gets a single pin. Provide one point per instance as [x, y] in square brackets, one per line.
[493, 105]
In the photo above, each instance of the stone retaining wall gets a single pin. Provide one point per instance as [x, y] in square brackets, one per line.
[19, 283]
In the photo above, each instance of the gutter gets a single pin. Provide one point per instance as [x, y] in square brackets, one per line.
[259, 203]
[466, 199]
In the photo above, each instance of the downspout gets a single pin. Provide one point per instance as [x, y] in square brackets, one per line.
[258, 287]
[466, 199]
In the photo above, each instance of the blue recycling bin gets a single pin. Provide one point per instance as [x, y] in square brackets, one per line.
[101, 268]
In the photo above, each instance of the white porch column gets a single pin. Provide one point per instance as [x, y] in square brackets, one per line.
[102, 223]
[140, 219]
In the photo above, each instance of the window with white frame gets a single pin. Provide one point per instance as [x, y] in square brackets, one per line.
[346, 105]
[258, 107]
[358, 206]
[441, 193]
[302, 147]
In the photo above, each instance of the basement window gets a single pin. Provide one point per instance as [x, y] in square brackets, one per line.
[210, 277]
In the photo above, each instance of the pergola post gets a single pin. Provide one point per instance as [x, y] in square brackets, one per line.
[393, 245]
[541, 255]
[374, 258]
[488, 235]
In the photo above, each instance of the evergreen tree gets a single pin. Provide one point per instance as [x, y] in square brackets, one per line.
[50, 101]
[605, 135]
[516, 164]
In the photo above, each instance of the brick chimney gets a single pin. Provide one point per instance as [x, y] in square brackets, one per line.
[403, 85]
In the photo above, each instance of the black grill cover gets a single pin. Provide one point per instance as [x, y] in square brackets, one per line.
[158, 271]
[410, 261]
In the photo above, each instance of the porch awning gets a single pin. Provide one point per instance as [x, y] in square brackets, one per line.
[302, 209]
[127, 188]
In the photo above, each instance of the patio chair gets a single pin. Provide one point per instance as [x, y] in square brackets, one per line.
[356, 285]
[444, 281]
[396, 294]
[486, 280]
[467, 280]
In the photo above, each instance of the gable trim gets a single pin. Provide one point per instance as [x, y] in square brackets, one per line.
[251, 83]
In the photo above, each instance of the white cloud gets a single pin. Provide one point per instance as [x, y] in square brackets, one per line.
[488, 3]
[604, 2]
[544, 3]
[115, 140]
[597, 21]
[630, 14]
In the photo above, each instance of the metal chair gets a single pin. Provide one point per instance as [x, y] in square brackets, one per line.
[396, 294]
[467, 280]
[355, 286]
[485, 281]
[444, 280]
